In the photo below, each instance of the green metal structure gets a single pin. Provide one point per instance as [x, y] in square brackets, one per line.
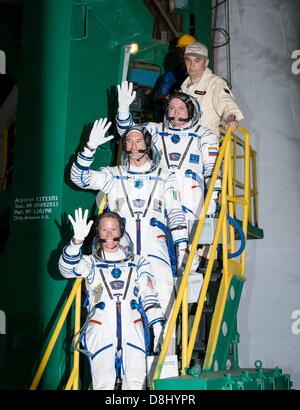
[71, 58]
[235, 379]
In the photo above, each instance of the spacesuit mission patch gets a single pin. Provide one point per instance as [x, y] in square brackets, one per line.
[194, 158]
[97, 292]
[117, 284]
[174, 156]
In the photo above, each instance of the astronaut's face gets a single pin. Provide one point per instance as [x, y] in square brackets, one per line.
[135, 145]
[195, 66]
[109, 230]
[177, 111]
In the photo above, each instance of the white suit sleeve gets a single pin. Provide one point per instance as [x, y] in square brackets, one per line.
[84, 177]
[124, 123]
[176, 219]
[148, 292]
[224, 102]
[72, 264]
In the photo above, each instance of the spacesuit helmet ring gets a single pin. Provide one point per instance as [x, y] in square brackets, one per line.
[123, 239]
[147, 139]
[192, 105]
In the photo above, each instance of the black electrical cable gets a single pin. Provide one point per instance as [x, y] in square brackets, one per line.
[225, 33]
[218, 4]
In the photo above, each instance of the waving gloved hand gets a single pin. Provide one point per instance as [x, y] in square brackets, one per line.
[97, 134]
[157, 331]
[80, 225]
[126, 96]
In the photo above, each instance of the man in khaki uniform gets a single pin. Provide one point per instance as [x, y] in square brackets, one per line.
[215, 98]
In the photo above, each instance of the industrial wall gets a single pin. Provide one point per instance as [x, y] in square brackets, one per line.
[265, 64]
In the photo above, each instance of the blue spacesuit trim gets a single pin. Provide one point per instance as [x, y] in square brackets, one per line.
[155, 178]
[126, 119]
[186, 210]
[157, 320]
[74, 262]
[112, 263]
[180, 241]
[194, 176]
[157, 257]
[85, 157]
[71, 256]
[119, 325]
[76, 274]
[135, 347]
[81, 166]
[101, 350]
[123, 127]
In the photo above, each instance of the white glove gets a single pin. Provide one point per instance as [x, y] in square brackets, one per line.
[125, 95]
[80, 226]
[97, 135]
[157, 332]
[182, 255]
[213, 204]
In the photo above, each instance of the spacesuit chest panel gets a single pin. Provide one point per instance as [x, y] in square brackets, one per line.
[138, 194]
[112, 283]
[182, 152]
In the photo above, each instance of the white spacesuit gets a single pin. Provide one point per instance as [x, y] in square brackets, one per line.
[147, 198]
[190, 150]
[121, 296]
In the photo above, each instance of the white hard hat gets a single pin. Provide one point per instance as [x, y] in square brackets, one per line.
[196, 50]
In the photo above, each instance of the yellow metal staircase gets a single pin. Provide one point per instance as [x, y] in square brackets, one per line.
[232, 203]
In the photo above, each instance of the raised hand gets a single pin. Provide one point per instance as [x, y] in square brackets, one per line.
[97, 134]
[80, 225]
[125, 95]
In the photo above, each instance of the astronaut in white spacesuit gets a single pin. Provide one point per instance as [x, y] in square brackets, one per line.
[121, 297]
[184, 146]
[145, 195]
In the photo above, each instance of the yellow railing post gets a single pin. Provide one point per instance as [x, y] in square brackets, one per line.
[74, 376]
[55, 335]
[184, 280]
[255, 199]
[184, 331]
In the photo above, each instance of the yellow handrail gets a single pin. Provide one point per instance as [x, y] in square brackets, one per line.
[233, 267]
[228, 200]
[184, 280]
[240, 142]
[58, 327]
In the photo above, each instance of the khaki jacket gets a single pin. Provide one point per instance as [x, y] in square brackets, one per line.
[215, 98]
